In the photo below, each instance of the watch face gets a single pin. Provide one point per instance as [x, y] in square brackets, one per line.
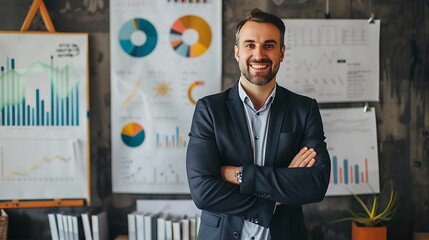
[239, 175]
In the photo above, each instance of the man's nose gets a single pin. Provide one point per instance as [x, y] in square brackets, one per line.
[259, 52]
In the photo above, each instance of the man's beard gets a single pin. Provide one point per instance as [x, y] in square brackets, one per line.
[259, 79]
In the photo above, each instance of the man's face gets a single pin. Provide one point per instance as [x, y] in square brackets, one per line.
[259, 52]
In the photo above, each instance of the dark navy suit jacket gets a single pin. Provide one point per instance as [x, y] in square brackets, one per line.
[219, 136]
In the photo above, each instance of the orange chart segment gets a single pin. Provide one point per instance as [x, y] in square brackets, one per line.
[131, 129]
[196, 23]
[191, 88]
[178, 27]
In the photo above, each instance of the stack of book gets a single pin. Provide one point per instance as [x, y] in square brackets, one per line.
[89, 225]
[162, 226]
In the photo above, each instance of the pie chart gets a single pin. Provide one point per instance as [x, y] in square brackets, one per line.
[132, 134]
[147, 33]
[197, 24]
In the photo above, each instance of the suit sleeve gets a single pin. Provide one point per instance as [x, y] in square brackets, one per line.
[203, 165]
[294, 186]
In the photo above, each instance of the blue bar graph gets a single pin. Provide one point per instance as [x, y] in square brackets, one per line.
[54, 104]
[174, 140]
[348, 173]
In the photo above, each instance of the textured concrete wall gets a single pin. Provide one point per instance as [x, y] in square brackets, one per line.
[402, 113]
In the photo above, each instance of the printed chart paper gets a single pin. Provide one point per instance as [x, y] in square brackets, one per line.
[332, 60]
[43, 116]
[351, 136]
[165, 55]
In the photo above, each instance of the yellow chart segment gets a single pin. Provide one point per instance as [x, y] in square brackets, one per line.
[204, 36]
[133, 93]
[201, 26]
[191, 88]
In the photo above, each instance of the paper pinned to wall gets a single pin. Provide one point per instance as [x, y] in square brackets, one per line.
[351, 136]
[332, 60]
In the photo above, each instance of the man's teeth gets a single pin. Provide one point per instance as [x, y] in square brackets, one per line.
[259, 66]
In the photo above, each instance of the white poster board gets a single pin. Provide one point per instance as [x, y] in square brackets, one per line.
[44, 132]
[332, 60]
[165, 55]
[351, 135]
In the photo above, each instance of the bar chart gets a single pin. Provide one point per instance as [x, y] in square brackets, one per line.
[347, 173]
[352, 145]
[44, 95]
[171, 140]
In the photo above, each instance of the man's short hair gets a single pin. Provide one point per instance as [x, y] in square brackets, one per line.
[257, 15]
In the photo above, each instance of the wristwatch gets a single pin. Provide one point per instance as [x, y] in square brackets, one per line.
[239, 174]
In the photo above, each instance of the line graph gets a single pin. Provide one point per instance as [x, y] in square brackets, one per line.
[132, 94]
[328, 58]
[158, 175]
[39, 162]
[36, 165]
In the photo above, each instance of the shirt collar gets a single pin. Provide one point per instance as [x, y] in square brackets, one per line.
[245, 99]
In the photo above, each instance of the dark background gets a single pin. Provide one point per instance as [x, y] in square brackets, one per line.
[402, 113]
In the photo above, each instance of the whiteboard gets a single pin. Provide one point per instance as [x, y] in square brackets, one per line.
[44, 137]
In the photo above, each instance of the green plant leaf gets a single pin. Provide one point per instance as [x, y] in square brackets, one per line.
[374, 213]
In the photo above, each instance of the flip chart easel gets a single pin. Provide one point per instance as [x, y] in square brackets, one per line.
[38, 5]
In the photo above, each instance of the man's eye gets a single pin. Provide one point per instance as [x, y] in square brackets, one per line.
[268, 46]
[250, 45]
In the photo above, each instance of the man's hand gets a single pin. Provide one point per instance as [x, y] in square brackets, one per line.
[305, 158]
[228, 174]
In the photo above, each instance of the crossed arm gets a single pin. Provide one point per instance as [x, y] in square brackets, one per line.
[304, 158]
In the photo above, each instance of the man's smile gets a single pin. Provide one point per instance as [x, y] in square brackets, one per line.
[259, 66]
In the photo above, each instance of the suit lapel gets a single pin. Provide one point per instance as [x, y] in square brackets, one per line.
[236, 109]
[278, 109]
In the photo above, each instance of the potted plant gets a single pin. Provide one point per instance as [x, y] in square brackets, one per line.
[369, 223]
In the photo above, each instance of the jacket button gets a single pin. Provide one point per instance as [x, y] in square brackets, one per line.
[256, 221]
[236, 234]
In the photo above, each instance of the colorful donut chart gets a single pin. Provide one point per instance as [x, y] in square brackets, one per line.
[204, 36]
[127, 30]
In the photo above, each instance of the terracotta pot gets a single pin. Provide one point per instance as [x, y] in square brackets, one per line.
[365, 233]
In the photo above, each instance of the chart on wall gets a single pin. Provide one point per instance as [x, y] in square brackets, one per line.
[165, 55]
[43, 116]
[332, 60]
[351, 137]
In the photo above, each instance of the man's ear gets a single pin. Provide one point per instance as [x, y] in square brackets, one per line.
[236, 53]
[282, 53]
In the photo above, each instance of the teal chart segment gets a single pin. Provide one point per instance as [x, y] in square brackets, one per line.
[129, 28]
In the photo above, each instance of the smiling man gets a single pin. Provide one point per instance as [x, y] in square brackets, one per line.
[251, 159]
